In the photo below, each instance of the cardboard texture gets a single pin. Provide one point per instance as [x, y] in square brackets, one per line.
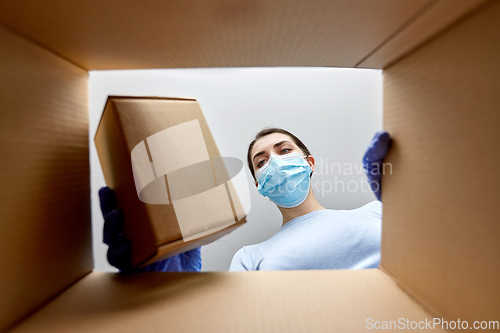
[441, 206]
[302, 301]
[44, 175]
[440, 244]
[159, 156]
[213, 33]
[432, 19]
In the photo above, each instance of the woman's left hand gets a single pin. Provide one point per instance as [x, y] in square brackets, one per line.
[373, 160]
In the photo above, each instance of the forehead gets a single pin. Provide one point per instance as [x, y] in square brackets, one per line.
[266, 143]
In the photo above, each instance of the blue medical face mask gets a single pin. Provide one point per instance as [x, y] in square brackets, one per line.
[285, 179]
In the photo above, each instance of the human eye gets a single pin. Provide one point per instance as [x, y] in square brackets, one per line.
[260, 163]
[285, 150]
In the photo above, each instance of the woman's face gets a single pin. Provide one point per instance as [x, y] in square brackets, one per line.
[274, 143]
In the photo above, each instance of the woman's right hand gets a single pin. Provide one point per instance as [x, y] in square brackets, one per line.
[120, 248]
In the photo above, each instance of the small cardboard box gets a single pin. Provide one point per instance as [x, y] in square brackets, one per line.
[175, 190]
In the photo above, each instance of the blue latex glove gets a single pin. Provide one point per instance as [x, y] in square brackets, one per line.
[373, 159]
[120, 248]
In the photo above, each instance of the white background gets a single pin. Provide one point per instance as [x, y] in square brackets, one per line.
[334, 111]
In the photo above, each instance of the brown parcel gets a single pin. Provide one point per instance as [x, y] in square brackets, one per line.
[440, 245]
[159, 156]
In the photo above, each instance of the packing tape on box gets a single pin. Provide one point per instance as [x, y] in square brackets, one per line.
[204, 191]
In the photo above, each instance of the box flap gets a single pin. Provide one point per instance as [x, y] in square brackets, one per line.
[281, 301]
[431, 20]
[441, 229]
[128, 34]
[44, 175]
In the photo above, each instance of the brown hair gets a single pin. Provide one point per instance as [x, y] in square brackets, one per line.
[267, 131]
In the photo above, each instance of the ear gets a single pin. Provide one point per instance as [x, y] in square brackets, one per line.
[311, 162]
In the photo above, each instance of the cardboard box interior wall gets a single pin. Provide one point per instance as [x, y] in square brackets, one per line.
[440, 236]
[176, 191]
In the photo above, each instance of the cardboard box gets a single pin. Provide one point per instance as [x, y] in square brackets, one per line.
[440, 236]
[176, 191]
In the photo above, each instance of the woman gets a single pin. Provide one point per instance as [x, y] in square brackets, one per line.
[311, 236]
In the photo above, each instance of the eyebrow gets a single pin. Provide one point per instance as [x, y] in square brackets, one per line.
[276, 145]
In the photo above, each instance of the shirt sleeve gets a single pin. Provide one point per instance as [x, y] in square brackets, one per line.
[240, 261]
[373, 208]
[376, 209]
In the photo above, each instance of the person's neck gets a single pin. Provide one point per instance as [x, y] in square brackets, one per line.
[309, 205]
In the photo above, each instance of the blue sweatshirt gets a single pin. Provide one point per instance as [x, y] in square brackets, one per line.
[322, 239]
